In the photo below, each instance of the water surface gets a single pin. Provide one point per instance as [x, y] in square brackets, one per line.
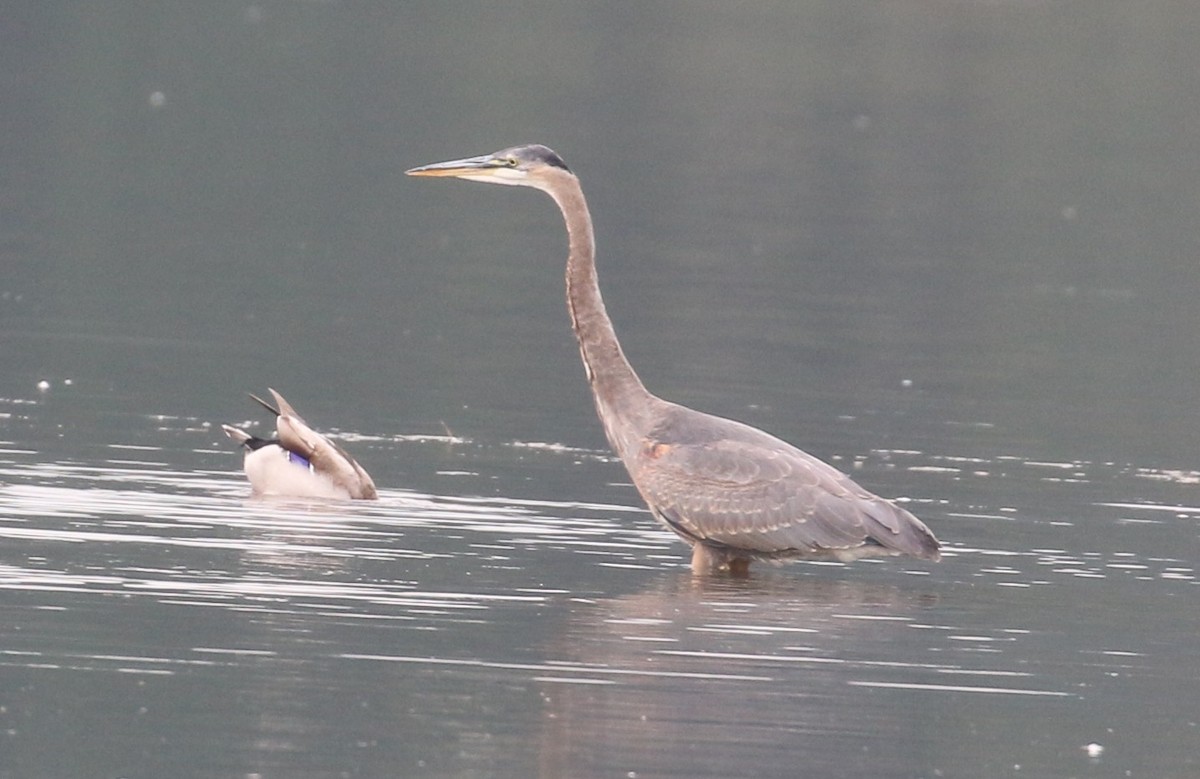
[949, 247]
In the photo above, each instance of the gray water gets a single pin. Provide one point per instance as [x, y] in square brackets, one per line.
[948, 246]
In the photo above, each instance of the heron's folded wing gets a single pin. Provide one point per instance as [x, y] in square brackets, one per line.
[768, 499]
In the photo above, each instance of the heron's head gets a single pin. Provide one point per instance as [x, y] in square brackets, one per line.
[521, 166]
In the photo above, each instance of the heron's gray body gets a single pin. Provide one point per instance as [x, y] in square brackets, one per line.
[742, 492]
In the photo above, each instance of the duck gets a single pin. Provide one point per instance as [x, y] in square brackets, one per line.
[299, 462]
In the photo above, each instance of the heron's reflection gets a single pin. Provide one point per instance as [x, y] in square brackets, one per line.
[698, 677]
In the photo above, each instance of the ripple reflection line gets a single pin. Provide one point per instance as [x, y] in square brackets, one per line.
[554, 667]
[962, 688]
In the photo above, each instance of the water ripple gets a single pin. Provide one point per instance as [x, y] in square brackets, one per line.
[216, 546]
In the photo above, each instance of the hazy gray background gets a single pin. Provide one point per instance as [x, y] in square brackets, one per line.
[950, 245]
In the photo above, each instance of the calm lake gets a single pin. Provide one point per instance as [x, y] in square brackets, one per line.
[949, 247]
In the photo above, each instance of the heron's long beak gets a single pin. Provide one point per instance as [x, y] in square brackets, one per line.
[458, 168]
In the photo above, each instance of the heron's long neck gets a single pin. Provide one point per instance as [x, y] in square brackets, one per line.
[620, 396]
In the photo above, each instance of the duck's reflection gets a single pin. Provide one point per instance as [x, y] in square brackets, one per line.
[701, 678]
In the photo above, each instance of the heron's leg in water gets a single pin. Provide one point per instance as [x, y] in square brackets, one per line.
[707, 561]
[704, 560]
[739, 566]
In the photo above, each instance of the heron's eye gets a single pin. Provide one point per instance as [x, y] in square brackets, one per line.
[510, 161]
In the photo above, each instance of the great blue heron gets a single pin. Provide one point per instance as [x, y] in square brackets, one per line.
[731, 491]
[299, 462]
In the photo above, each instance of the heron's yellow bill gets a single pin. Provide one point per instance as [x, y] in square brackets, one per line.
[463, 167]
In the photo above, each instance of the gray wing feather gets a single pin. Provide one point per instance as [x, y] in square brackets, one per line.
[326, 456]
[729, 485]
